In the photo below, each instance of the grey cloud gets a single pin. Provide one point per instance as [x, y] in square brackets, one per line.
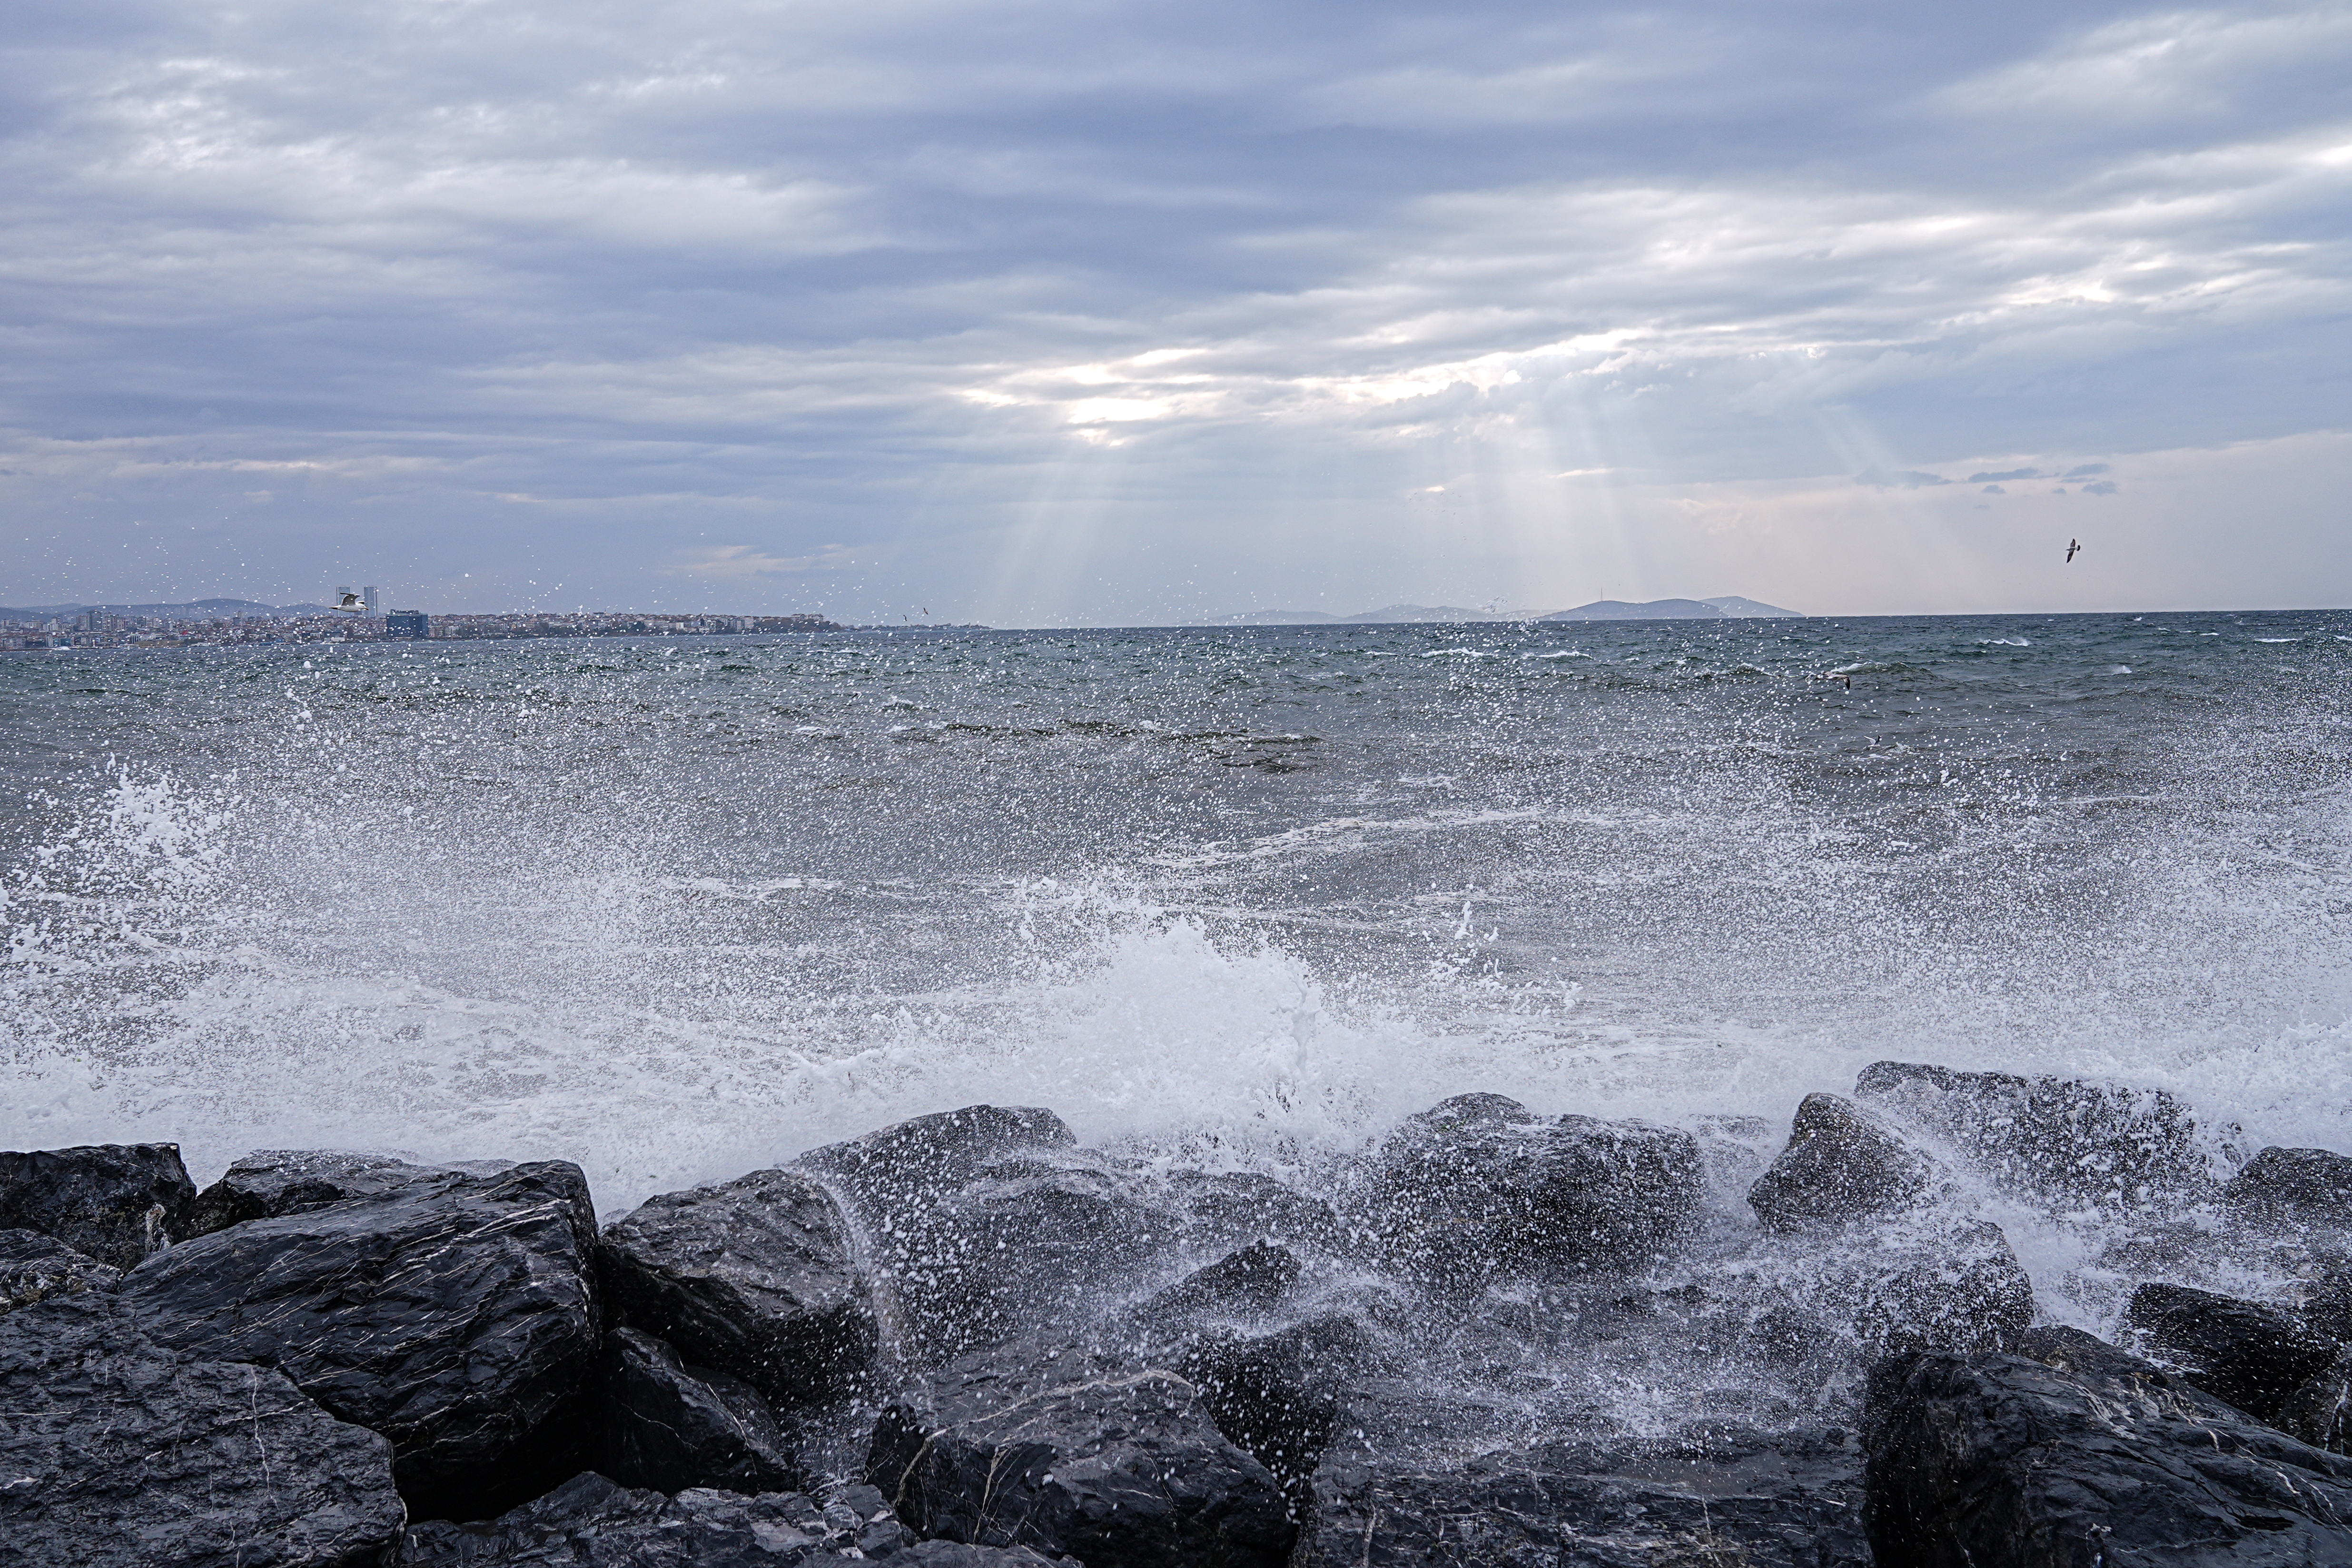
[1904, 478]
[1994, 491]
[2104, 487]
[2085, 471]
[2006, 475]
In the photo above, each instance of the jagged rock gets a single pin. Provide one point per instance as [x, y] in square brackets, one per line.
[2070, 1452]
[1072, 1455]
[671, 1427]
[2247, 1355]
[33, 1267]
[1737, 1499]
[2053, 1139]
[1249, 1282]
[1843, 1163]
[592, 1522]
[755, 1277]
[1481, 1183]
[118, 1202]
[2307, 1188]
[1277, 1397]
[271, 1182]
[460, 1320]
[115, 1450]
[1926, 1281]
[984, 1223]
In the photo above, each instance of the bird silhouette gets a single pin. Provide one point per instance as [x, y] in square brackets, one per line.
[348, 601]
[2073, 549]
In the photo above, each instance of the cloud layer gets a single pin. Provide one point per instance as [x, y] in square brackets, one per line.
[1085, 311]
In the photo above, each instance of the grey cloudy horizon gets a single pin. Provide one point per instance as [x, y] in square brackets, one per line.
[1068, 313]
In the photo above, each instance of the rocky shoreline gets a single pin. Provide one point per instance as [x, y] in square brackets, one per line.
[1495, 1337]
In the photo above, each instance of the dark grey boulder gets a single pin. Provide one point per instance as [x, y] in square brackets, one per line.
[988, 1223]
[1735, 1500]
[115, 1450]
[756, 1277]
[33, 1267]
[271, 1182]
[1279, 1396]
[1236, 1208]
[2070, 1453]
[2247, 1355]
[460, 1320]
[117, 1202]
[671, 1427]
[1481, 1183]
[2056, 1140]
[1074, 1455]
[1246, 1283]
[1845, 1162]
[1922, 1282]
[589, 1522]
[2311, 1188]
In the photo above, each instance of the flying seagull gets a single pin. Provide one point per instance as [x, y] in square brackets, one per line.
[348, 601]
[2073, 549]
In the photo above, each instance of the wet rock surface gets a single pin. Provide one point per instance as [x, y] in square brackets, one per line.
[755, 1277]
[33, 1267]
[671, 1427]
[2071, 1452]
[1480, 1183]
[116, 1202]
[1494, 1336]
[461, 1320]
[273, 1182]
[594, 1523]
[114, 1449]
[1076, 1454]
[1845, 1162]
[1743, 1499]
[2110, 1145]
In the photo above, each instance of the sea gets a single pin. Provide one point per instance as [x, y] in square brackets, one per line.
[676, 908]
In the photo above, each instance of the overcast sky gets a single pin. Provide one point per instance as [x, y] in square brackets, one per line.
[1060, 313]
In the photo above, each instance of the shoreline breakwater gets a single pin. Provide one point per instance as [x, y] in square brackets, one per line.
[1490, 1335]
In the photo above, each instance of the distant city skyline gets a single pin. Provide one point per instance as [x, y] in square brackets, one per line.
[1084, 315]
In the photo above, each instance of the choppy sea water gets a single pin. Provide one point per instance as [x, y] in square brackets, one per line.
[678, 908]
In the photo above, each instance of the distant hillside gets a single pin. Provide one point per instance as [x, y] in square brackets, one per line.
[1393, 616]
[1730, 607]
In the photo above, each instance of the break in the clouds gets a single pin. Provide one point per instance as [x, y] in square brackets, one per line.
[1085, 311]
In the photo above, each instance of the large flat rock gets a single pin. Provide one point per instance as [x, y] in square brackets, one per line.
[115, 1450]
[461, 1320]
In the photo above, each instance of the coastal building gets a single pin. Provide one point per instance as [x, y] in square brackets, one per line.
[408, 623]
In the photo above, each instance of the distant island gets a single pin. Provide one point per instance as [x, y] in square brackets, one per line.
[1730, 607]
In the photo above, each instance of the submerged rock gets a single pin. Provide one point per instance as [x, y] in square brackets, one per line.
[33, 1267]
[1845, 1162]
[1480, 1183]
[2070, 1452]
[932, 1156]
[1739, 1500]
[115, 1450]
[460, 1320]
[1072, 1455]
[1926, 1281]
[671, 1427]
[2058, 1140]
[271, 1182]
[590, 1521]
[1246, 1283]
[117, 1202]
[1278, 1397]
[2311, 1188]
[755, 1277]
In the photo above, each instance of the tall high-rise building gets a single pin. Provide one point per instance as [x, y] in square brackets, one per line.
[367, 597]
